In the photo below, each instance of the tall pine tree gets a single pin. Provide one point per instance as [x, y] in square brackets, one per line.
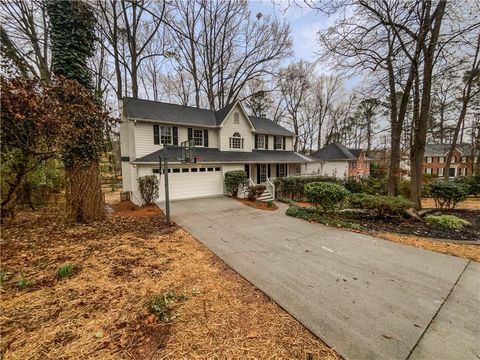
[72, 25]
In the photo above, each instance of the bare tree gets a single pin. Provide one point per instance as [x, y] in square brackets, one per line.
[25, 37]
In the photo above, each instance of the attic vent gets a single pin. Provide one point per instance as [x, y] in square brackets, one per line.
[236, 118]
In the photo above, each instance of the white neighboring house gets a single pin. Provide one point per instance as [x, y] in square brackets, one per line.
[226, 140]
[338, 161]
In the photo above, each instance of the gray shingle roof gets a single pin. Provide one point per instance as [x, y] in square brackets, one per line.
[333, 151]
[187, 115]
[212, 155]
[442, 149]
[267, 126]
[169, 113]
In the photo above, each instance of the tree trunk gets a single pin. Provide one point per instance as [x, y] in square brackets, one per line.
[420, 133]
[84, 198]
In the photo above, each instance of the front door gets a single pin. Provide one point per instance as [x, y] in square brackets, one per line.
[261, 173]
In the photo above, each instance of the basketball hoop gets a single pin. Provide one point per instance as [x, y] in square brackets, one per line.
[187, 151]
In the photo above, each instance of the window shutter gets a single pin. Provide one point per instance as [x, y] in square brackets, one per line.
[284, 143]
[256, 141]
[156, 134]
[190, 134]
[269, 171]
[205, 138]
[277, 170]
[175, 135]
[274, 143]
[266, 142]
[258, 173]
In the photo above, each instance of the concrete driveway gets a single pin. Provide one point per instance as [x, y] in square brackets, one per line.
[367, 298]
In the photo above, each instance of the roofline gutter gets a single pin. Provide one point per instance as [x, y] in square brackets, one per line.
[173, 123]
[224, 162]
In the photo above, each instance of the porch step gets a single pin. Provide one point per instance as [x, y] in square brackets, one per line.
[266, 196]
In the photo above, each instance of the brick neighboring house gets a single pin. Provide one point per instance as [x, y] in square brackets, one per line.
[462, 164]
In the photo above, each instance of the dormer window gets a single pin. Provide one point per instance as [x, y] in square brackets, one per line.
[236, 141]
[236, 118]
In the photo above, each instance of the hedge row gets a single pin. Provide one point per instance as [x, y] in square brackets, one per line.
[293, 187]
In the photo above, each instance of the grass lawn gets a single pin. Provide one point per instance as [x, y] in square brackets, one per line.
[96, 305]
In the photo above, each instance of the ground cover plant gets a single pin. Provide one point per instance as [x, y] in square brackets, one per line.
[451, 222]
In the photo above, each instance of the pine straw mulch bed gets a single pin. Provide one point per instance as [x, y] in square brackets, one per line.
[258, 204]
[100, 311]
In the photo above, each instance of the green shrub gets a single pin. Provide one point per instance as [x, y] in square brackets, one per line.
[65, 271]
[326, 195]
[381, 204]
[451, 222]
[270, 204]
[311, 214]
[293, 187]
[148, 186]
[473, 183]
[404, 188]
[158, 305]
[354, 186]
[447, 194]
[233, 180]
[254, 192]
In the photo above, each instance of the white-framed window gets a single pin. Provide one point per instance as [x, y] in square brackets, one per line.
[464, 159]
[260, 141]
[282, 170]
[428, 171]
[441, 159]
[198, 137]
[429, 159]
[236, 141]
[236, 118]
[440, 171]
[278, 142]
[166, 135]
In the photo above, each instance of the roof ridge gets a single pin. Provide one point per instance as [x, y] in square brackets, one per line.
[167, 103]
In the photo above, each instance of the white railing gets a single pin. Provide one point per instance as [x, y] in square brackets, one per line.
[271, 187]
[248, 183]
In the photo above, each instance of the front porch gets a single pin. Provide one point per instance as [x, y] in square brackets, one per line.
[266, 173]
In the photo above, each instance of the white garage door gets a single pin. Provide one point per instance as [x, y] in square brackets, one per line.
[194, 181]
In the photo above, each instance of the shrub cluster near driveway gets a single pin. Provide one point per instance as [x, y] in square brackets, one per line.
[382, 205]
[233, 181]
[148, 186]
[326, 196]
[293, 187]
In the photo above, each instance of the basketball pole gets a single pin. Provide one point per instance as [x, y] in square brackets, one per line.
[167, 195]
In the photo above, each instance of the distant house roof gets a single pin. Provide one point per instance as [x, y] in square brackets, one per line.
[442, 149]
[157, 111]
[334, 151]
[211, 155]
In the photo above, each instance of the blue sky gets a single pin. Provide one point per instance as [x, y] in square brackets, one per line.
[304, 22]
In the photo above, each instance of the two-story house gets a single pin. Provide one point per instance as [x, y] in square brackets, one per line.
[336, 160]
[464, 159]
[225, 140]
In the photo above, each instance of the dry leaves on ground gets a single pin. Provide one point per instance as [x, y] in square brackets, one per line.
[100, 312]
